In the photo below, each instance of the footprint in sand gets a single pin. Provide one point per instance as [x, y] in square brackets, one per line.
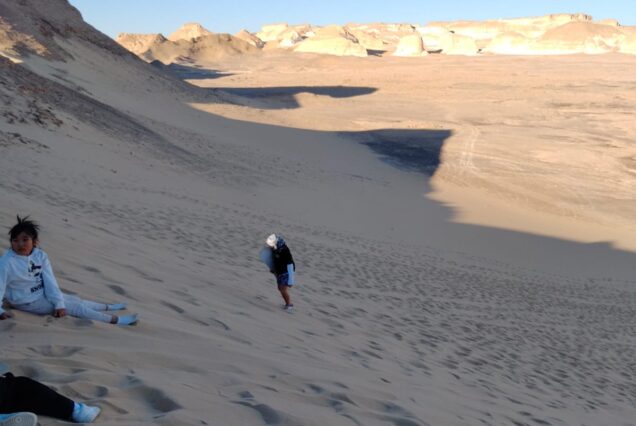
[118, 289]
[56, 351]
[153, 397]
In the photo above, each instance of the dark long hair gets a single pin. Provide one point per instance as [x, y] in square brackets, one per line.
[25, 225]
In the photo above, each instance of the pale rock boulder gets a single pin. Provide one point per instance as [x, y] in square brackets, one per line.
[189, 31]
[332, 40]
[628, 44]
[304, 30]
[460, 45]
[410, 45]
[435, 38]
[334, 31]
[289, 38]
[271, 32]
[250, 38]
[333, 46]
[380, 36]
[283, 36]
[391, 34]
[139, 43]
[368, 40]
[440, 39]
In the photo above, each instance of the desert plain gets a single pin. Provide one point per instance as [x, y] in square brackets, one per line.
[463, 228]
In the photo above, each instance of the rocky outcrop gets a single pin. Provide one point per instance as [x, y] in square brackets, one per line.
[570, 38]
[271, 32]
[528, 27]
[628, 44]
[140, 43]
[368, 39]
[510, 43]
[250, 38]
[189, 31]
[332, 40]
[209, 48]
[579, 37]
[410, 45]
[380, 36]
[31, 26]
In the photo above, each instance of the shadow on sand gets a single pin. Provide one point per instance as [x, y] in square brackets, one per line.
[284, 97]
[412, 150]
[185, 72]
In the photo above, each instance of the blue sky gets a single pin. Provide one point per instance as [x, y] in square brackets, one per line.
[165, 16]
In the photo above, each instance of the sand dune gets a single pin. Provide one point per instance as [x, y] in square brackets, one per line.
[409, 312]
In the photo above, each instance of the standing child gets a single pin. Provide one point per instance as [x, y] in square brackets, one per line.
[283, 267]
[28, 283]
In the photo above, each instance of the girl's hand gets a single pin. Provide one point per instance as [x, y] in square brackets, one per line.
[5, 315]
[59, 313]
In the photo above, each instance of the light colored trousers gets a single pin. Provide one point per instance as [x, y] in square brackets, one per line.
[75, 307]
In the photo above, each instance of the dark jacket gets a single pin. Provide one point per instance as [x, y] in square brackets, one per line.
[282, 257]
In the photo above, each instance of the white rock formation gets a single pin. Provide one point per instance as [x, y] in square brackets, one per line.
[529, 27]
[250, 38]
[434, 37]
[510, 43]
[580, 37]
[370, 40]
[289, 38]
[628, 44]
[271, 32]
[410, 45]
[332, 40]
[460, 45]
[570, 38]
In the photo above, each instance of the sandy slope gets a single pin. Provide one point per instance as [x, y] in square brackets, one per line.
[404, 317]
[546, 143]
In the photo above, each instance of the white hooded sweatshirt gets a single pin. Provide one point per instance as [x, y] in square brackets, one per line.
[25, 279]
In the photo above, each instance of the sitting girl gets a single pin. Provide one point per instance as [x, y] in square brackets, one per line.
[28, 283]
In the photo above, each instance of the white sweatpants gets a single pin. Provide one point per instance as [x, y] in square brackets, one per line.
[75, 307]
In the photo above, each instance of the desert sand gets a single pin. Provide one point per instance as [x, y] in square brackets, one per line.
[463, 228]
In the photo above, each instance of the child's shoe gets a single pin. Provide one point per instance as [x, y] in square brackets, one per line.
[289, 308]
[127, 319]
[18, 419]
[83, 413]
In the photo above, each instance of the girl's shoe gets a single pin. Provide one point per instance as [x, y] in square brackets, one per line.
[18, 419]
[83, 413]
[127, 319]
[289, 308]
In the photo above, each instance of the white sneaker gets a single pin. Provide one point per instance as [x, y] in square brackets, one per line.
[85, 413]
[18, 419]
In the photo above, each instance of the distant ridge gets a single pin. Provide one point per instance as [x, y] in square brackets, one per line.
[540, 35]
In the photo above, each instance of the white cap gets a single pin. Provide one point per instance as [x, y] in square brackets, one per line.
[271, 241]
